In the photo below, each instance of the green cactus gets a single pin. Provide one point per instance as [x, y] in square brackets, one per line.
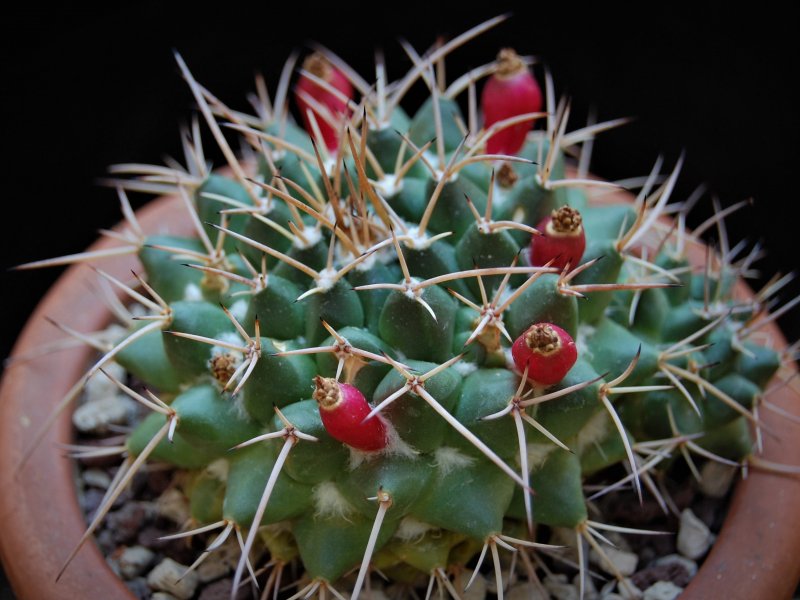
[384, 315]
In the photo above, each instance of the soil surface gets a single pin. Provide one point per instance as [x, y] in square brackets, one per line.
[153, 506]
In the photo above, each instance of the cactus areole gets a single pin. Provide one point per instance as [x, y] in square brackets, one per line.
[345, 402]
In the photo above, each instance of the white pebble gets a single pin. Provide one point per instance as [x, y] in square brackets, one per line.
[476, 591]
[220, 562]
[526, 591]
[174, 506]
[589, 587]
[212, 569]
[134, 561]
[99, 386]
[96, 478]
[95, 417]
[562, 536]
[377, 594]
[165, 576]
[694, 537]
[625, 562]
[491, 578]
[627, 589]
[669, 559]
[716, 478]
[559, 589]
[162, 596]
[662, 590]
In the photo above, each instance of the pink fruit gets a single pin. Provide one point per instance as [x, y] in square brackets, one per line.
[547, 351]
[320, 67]
[511, 91]
[563, 239]
[343, 410]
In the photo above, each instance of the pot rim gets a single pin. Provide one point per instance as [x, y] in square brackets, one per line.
[745, 561]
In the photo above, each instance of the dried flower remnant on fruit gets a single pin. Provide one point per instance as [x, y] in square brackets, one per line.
[318, 65]
[223, 366]
[566, 221]
[543, 339]
[509, 63]
[327, 393]
[506, 175]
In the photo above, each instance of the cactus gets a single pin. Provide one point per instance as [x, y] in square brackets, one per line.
[403, 342]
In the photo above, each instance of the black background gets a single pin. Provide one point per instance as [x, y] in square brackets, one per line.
[85, 89]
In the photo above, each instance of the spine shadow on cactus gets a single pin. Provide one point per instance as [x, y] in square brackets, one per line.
[337, 333]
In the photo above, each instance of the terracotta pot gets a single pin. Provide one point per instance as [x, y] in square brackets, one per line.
[39, 509]
[756, 555]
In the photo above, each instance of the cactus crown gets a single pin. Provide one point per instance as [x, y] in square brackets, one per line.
[371, 266]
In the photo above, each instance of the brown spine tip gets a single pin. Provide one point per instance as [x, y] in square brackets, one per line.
[328, 394]
[566, 221]
[506, 175]
[318, 65]
[543, 339]
[509, 64]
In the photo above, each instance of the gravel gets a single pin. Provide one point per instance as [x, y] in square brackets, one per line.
[171, 577]
[662, 590]
[622, 561]
[134, 560]
[694, 536]
[97, 416]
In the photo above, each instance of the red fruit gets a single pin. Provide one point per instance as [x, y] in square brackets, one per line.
[509, 92]
[563, 239]
[319, 66]
[548, 352]
[343, 409]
